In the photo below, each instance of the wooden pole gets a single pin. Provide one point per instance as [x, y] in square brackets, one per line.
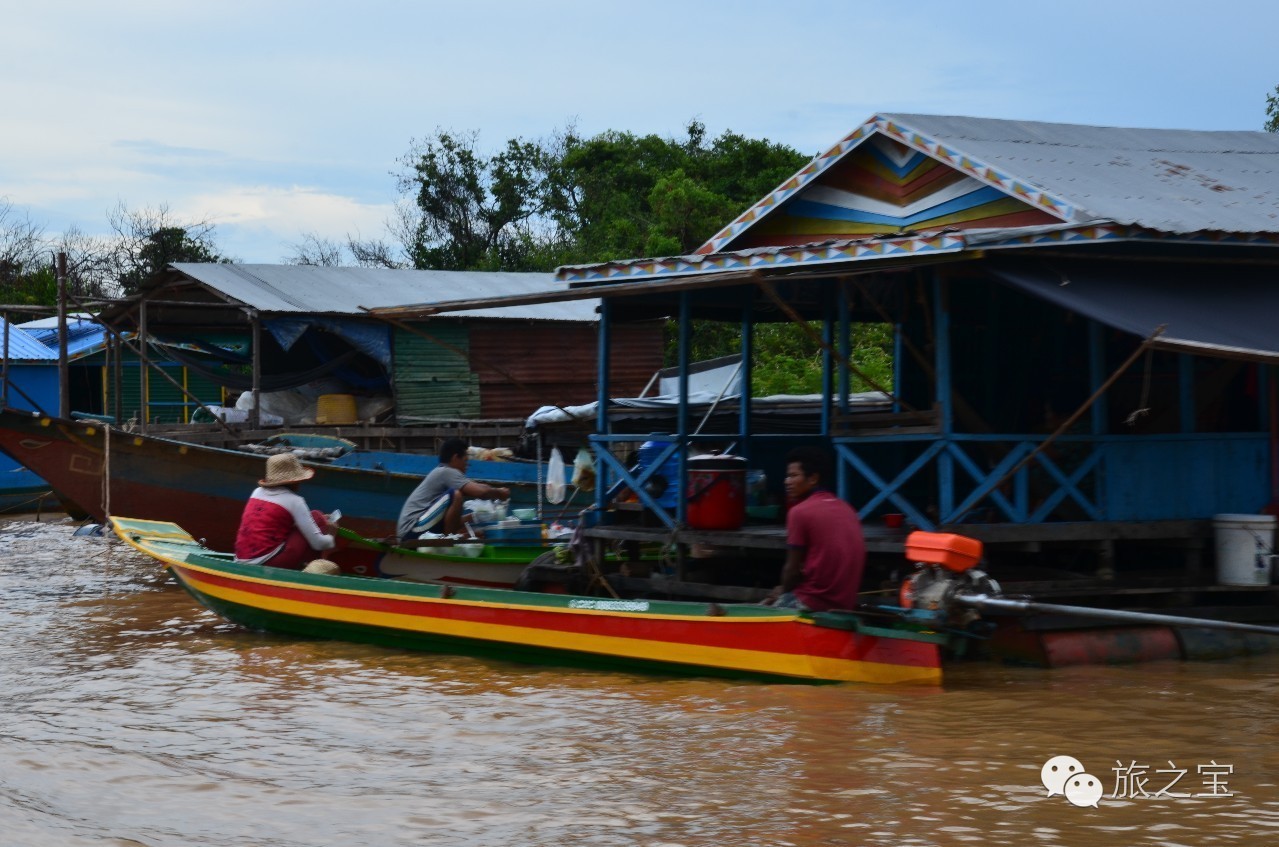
[255, 414]
[4, 387]
[64, 369]
[144, 368]
[117, 378]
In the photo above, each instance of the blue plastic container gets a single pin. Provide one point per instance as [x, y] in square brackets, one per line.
[665, 477]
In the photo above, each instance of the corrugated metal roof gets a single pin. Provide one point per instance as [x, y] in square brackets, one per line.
[38, 340]
[24, 347]
[1171, 180]
[313, 289]
[1168, 180]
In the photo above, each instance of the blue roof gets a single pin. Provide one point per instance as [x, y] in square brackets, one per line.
[23, 346]
[38, 340]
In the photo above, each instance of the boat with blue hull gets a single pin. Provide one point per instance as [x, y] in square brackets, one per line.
[101, 471]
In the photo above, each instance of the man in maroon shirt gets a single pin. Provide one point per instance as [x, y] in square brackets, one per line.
[825, 549]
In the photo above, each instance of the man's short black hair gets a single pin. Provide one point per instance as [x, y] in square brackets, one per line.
[450, 448]
[813, 460]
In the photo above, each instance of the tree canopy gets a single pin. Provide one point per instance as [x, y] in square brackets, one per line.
[569, 199]
[566, 199]
[1272, 111]
[143, 242]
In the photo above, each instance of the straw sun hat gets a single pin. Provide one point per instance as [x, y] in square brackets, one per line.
[323, 566]
[284, 469]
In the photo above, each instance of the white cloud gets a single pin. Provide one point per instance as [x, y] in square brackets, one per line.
[280, 118]
[258, 223]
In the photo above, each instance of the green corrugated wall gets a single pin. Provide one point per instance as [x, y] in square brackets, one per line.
[434, 380]
[166, 403]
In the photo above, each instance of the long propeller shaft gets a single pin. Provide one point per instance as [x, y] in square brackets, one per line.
[986, 603]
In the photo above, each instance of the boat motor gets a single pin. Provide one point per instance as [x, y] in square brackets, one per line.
[944, 568]
[947, 591]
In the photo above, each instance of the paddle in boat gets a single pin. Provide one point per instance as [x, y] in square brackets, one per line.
[735, 640]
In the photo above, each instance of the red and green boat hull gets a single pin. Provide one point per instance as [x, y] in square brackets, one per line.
[674, 637]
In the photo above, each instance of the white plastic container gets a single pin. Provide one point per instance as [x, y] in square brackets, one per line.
[1244, 544]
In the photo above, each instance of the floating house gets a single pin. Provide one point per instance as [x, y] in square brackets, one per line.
[29, 381]
[301, 335]
[1082, 318]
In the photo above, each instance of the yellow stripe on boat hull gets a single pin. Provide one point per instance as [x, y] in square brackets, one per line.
[753, 661]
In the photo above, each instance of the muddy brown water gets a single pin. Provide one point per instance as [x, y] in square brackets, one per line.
[132, 717]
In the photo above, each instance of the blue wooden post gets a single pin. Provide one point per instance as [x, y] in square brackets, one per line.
[828, 365]
[1186, 390]
[941, 357]
[685, 339]
[744, 401]
[897, 366]
[845, 350]
[1097, 375]
[601, 411]
[1265, 373]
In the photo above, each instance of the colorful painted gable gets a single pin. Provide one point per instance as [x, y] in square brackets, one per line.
[885, 187]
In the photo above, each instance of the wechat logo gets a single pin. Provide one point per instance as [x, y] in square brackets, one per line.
[1065, 775]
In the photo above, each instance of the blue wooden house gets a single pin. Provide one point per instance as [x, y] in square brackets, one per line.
[1083, 321]
[29, 357]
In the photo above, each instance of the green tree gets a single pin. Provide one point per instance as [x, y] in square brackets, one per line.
[618, 195]
[1272, 110]
[614, 195]
[474, 211]
[788, 357]
[149, 240]
[535, 205]
[22, 248]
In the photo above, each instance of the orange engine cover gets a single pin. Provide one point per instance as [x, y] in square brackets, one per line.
[951, 551]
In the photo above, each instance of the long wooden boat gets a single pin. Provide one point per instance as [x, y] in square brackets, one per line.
[672, 637]
[102, 470]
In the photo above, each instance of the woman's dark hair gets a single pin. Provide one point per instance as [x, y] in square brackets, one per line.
[450, 448]
[812, 460]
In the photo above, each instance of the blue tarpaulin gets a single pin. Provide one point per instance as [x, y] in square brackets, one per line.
[373, 340]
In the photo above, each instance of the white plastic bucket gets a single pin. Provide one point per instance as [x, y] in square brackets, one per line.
[1244, 544]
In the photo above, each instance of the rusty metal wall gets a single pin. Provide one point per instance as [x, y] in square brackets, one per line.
[523, 366]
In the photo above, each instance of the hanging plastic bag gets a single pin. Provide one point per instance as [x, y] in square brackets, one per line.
[556, 486]
[583, 470]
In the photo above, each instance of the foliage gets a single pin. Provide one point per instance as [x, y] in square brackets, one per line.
[21, 248]
[143, 243]
[1272, 111]
[36, 287]
[535, 205]
[788, 357]
[149, 240]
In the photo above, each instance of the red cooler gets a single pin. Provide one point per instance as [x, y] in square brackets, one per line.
[716, 492]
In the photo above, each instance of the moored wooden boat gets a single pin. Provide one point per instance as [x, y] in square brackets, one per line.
[101, 470]
[673, 637]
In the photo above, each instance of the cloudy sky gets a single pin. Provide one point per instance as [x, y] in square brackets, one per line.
[274, 119]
